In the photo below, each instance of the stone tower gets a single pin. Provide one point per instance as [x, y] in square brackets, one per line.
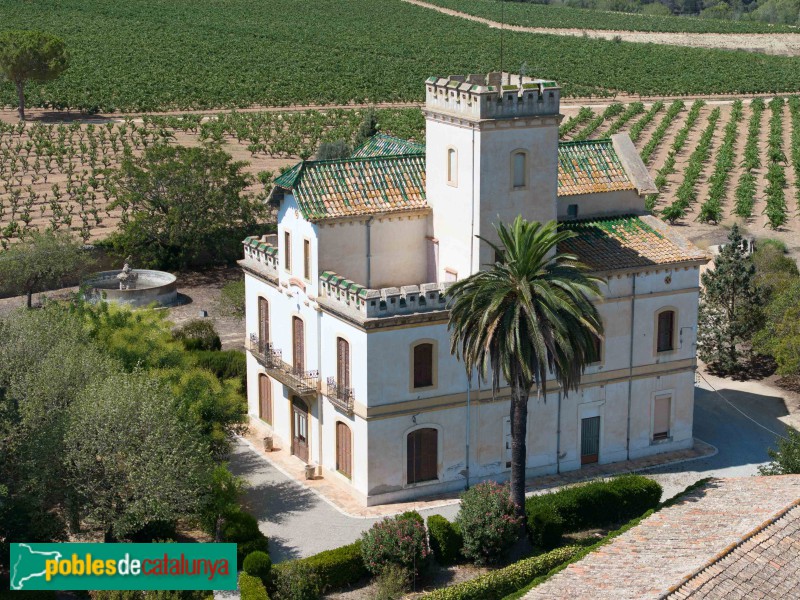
[491, 154]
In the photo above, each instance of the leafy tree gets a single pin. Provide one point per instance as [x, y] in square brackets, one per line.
[780, 336]
[786, 459]
[333, 150]
[730, 306]
[42, 261]
[774, 269]
[528, 314]
[223, 500]
[231, 302]
[30, 56]
[131, 458]
[367, 128]
[183, 206]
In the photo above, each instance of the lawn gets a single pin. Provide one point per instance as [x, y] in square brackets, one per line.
[144, 55]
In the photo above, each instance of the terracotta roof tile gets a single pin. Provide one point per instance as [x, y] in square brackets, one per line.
[614, 243]
[589, 167]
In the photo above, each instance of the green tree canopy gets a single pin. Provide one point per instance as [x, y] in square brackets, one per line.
[731, 307]
[30, 56]
[183, 206]
[41, 262]
[528, 314]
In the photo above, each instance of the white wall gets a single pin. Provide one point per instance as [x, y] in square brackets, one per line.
[290, 219]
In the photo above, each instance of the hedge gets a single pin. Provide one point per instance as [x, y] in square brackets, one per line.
[336, 568]
[251, 588]
[258, 564]
[545, 526]
[599, 503]
[242, 529]
[498, 584]
[446, 540]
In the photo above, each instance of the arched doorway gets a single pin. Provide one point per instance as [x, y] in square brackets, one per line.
[299, 429]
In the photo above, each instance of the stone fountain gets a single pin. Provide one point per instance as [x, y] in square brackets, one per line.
[133, 287]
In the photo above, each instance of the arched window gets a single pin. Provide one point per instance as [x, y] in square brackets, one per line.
[344, 450]
[423, 365]
[264, 398]
[519, 169]
[452, 166]
[342, 363]
[665, 337]
[298, 345]
[263, 322]
[422, 455]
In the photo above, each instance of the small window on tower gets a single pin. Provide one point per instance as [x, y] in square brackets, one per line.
[572, 211]
[519, 167]
[452, 166]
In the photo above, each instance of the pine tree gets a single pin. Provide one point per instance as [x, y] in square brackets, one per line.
[730, 307]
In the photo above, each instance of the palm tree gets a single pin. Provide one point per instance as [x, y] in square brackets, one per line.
[527, 315]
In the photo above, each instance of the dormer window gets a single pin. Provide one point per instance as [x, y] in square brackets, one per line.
[519, 169]
[452, 166]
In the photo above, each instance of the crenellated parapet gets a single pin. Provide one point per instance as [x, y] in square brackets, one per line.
[353, 298]
[486, 97]
[263, 250]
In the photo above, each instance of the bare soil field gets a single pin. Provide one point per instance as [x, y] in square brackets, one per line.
[785, 44]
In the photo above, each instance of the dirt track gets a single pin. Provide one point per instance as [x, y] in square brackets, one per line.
[786, 44]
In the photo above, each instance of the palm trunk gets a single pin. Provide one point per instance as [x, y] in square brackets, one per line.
[30, 298]
[519, 433]
[21, 100]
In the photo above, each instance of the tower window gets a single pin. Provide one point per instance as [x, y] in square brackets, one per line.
[572, 211]
[519, 169]
[665, 337]
[452, 166]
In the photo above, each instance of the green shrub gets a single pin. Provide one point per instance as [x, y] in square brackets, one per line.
[251, 587]
[445, 539]
[258, 564]
[392, 584]
[231, 300]
[599, 503]
[488, 522]
[498, 584]
[335, 568]
[242, 529]
[198, 334]
[225, 364]
[398, 541]
[413, 515]
[296, 580]
[545, 526]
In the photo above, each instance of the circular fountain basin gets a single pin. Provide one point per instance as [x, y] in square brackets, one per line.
[151, 287]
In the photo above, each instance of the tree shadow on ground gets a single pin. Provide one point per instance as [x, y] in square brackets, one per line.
[758, 367]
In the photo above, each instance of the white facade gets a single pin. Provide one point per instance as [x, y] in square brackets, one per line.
[380, 322]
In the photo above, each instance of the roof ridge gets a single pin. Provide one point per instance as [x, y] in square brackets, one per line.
[351, 159]
[605, 140]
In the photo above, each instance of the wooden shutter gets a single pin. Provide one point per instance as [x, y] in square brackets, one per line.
[422, 455]
[264, 398]
[298, 352]
[666, 325]
[287, 250]
[342, 363]
[423, 365]
[662, 410]
[263, 321]
[306, 259]
[344, 450]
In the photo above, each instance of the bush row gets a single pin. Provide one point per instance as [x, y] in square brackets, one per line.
[333, 569]
[594, 504]
[242, 529]
[251, 588]
[498, 584]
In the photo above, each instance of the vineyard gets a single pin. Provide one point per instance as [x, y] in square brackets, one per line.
[148, 55]
[529, 14]
[712, 162]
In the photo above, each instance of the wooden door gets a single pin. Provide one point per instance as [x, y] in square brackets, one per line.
[265, 398]
[263, 323]
[344, 450]
[299, 430]
[422, 455]
[342, 364]
[298, 345]
[590, 440]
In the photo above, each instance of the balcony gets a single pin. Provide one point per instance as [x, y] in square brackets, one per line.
[340, 397]
[303, 383]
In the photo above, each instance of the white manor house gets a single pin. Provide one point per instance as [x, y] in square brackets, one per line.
[348, 358]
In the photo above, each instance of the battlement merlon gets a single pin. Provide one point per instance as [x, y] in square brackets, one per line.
[480, 97]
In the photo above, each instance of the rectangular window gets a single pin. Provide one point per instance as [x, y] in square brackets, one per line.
[666, 326]
[342, 363]
[661, 417]
[306, 259]
[452, 166]
[572, 211]
[287, 250]
[519, 170]
[423, 365]
[598, 349]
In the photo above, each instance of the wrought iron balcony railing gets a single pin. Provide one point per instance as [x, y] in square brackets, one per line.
[339, 396]
[304, 383]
